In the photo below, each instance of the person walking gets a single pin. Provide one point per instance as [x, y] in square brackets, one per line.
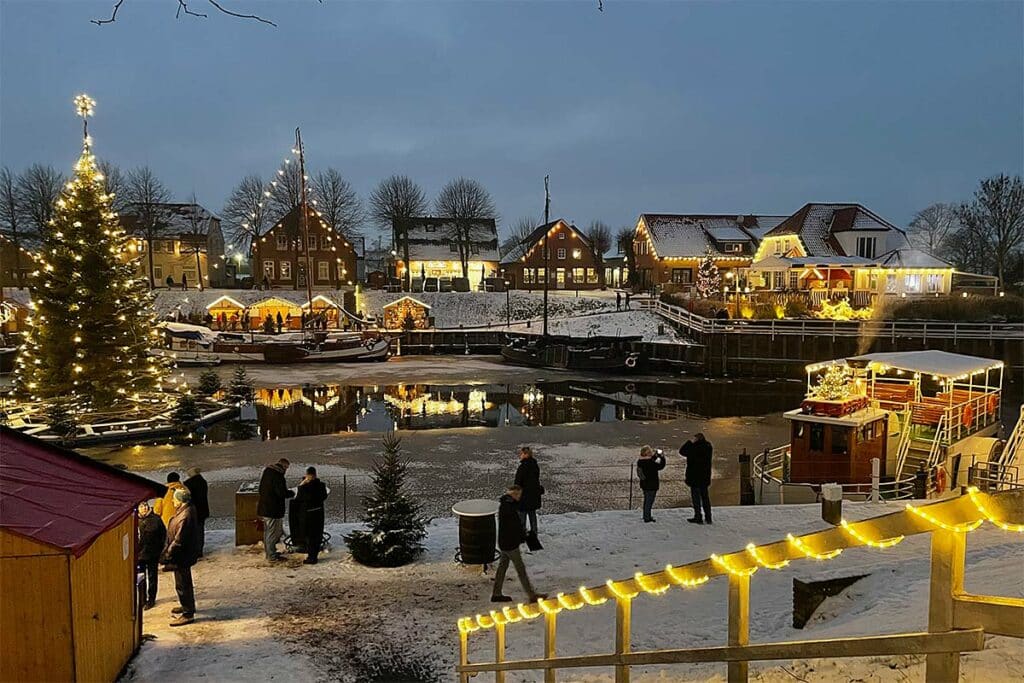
[152, 537]
[618, 300]
[647, 467]
[200, 491]
[180, 553]
[510, 536]
[528, 479]
[280, 322]
[273, 492]
[165, 506]
[698, 452]
[312, 493]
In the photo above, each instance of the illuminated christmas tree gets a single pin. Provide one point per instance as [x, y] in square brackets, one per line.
[92, 320]
[834, 385]
[709, 280]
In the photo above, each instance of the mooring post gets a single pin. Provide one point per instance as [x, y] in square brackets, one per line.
[463, 654]
[549, 644]
[499, 650]
[947, 581]
[623, 615]
[876, 474]
[739, 623]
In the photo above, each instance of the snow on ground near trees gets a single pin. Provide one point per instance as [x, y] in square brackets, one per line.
[338, 620]
[614, 324]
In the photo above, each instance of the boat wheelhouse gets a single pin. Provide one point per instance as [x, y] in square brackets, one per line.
[927, 417]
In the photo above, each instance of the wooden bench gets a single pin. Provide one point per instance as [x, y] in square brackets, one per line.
[892, 393]
[926, 413]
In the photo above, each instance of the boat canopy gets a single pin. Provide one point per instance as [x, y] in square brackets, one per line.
[931, 362]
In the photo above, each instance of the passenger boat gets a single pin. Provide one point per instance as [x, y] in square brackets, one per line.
[893, 426]
[609, 354]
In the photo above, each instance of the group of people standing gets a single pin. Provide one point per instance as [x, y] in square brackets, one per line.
[698, 453]
[309, 495]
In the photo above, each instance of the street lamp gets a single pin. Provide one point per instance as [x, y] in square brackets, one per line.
[508, 309]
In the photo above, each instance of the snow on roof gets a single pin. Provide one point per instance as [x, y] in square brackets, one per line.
[398, 301]
[932, 362]
[816, 223]
[167, 301]
[911, 258]
[692, 235]
[178, 217]
[430, 239]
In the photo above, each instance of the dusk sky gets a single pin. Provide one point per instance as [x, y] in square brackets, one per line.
[646, 107]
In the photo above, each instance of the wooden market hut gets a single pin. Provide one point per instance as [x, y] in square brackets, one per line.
[291, 312]
[69, 609]
[232, 310]
[396, 312]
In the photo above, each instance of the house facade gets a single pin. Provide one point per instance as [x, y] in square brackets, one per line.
[280, 260]
[571, 262]
[190, 247]
[435, 250]
[15, 264]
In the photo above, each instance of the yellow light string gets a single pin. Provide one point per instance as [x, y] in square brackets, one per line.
[589, 598]
[721, 562]
[802, 547]
[1005, 526]
[555, 609]
[673, 574]
[526, 612]
[752, 549]
[511, 615]
[498, 618]
[467, 625]
[884, 543]
[653, 590]
[564, 601]
[619, 594]
[969, 526]
[484, 621]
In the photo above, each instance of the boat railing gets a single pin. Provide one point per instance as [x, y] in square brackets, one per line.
[771, 468]
[992, 477]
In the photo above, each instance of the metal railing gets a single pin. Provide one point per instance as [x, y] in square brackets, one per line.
[771, 468]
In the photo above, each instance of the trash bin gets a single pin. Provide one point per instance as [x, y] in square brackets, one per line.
[478, 533]
[248, 526]
[832, 503]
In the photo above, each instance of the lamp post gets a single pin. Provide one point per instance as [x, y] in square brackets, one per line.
[508, 308]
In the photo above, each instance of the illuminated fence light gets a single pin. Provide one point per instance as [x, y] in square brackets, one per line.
[524, 610]
[549, 610]
[644, 586]
[752, 549]
[619, 594]
[511, 614]
[969, 526]
[484, 621]
[498, 618]
[589, 598]
[802, 547]
[724, 564]
[884, 543]
[567, 603]
[673, 574]
[1005, 526]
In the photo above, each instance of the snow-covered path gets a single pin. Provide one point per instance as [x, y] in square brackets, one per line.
[341, 621]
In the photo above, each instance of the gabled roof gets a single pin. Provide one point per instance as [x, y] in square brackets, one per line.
[692, 235]
[538, 233]
[178, 217]
[61, 498]
[398, 301]
[430, 239]
[911, 258]
[291, 223]
[816, 224]
[931, 362]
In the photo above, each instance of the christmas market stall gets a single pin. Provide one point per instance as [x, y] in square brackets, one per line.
[227, 313]
[407, 313]
[273, 308]
[70, 609]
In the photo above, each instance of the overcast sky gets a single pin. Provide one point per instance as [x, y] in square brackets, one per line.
[649, 106]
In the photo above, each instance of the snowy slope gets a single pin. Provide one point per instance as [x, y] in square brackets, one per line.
[335, 620]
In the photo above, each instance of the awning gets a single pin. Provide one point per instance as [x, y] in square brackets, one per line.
[931, 362]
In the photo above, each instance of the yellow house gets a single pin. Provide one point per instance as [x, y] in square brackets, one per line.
[187, 247]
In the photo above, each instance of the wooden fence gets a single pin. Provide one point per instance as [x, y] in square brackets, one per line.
[957, 621]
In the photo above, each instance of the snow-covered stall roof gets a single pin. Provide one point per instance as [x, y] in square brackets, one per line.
[931, 362]
[911, 258]
[412, 299]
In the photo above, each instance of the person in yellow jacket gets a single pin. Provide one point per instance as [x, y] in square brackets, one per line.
[165, 506]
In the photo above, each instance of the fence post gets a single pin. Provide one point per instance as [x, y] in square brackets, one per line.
[947, 580]
[463, 654]
[344, 498]
[623, 616]
[499, 650]
[876, 472]
[549, 644]
[630, 486]
[739, 623]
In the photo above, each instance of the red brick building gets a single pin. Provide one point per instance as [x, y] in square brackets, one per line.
[279, 257]
[571, 260]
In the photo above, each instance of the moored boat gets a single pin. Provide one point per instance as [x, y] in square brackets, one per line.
[608, 354]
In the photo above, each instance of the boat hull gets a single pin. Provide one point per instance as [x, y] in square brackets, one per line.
[375, 350]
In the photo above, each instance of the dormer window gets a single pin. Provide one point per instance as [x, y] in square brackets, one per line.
[734, 247]
[561, 235]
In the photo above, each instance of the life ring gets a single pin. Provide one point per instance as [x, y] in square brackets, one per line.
[631, 362]
[968, 416]
[940, 479]
[992, 403]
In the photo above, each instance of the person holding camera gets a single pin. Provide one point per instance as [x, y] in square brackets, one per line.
[698, 453]
[647, 467]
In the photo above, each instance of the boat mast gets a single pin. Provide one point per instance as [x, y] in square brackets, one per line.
[547, 268]
[303, 219]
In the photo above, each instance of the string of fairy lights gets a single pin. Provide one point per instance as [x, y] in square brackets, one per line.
[659, 583]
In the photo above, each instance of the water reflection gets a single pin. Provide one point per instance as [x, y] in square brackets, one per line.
[326, 409]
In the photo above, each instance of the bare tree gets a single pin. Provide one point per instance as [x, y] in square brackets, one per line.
[39, 187]
[997, 216]
[515, 247]
[465, 203]
[146, 196]
[11, 225]
[393, 203]
[285, 191]
[337, 203]
[114, 183]
[600, 236]
[932, 226]
[624, 245]
[245, 212]
[194, 239]
[967, 251]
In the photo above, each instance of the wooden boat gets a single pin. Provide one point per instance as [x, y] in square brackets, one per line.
[608, 354]
[339, 350]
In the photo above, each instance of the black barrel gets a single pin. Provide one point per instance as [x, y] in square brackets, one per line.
[477, 539]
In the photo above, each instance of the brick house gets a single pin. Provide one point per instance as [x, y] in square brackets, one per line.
[279, 260]
[435, 250]
[571, 260]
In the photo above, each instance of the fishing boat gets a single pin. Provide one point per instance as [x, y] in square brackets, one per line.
[916, 424]
[348, 348]
[608, 354]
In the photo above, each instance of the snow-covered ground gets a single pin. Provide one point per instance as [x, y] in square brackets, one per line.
[341, 621]
[614, 324]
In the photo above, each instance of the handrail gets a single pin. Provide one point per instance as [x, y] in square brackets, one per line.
[941, 430]
[1014, 442]
[904, 444]
[901, 488]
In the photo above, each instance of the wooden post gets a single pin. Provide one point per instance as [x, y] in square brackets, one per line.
[739, 623]
[549, 644]
[499, 650]
[463, 654]
[623, 616]
[946, 582]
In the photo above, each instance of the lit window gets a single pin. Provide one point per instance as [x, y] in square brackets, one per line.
[268, 269]
[561, 235]
[591, 276]
[323, 270]
[286, 270]
[561, 254]
[578, 275]
[576, 253]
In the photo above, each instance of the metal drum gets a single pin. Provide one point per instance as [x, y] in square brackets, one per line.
[477, 531]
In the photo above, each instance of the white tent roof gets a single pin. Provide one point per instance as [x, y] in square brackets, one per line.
[931, 362]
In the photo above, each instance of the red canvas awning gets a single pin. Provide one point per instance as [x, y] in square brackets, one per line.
[61, 498]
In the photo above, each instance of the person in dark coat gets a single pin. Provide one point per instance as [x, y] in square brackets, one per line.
[698, 452]
[181, 550]
[200, 491]
[510, 536]
[280, 322]
[152, 537]
[184, 282]
[528, 479]
[273, 492]
[312, 493]
[647, 467]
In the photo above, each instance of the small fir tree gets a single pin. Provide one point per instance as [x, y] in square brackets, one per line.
[834, 385]
[268, 325]
[93, 323]
[241, 388]
[396, 530]
[709, 280]
[186, 411]
[209, 382]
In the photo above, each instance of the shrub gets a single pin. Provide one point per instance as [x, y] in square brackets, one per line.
[209, 382]
[796, 308]
[955, 308]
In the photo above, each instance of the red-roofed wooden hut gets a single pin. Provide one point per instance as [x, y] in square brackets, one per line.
[69, 608]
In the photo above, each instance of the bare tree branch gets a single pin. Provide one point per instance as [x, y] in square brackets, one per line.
[183, 8]
[465, 203]
[241, 16]
[113, 15]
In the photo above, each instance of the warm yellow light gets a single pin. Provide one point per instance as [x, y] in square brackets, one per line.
[567, 603]
[724, 564]
[523, 610]
[752, 549]
[802, 547]
[969, 526]
[884, 543]
[589, 598]
[622, 595]
[973, 492]
[641, 581]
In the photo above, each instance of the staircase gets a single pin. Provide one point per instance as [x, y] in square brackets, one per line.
[1013, 448]
[915, 452]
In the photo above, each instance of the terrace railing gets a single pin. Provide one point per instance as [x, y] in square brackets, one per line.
[957, 620]
[770, 468]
